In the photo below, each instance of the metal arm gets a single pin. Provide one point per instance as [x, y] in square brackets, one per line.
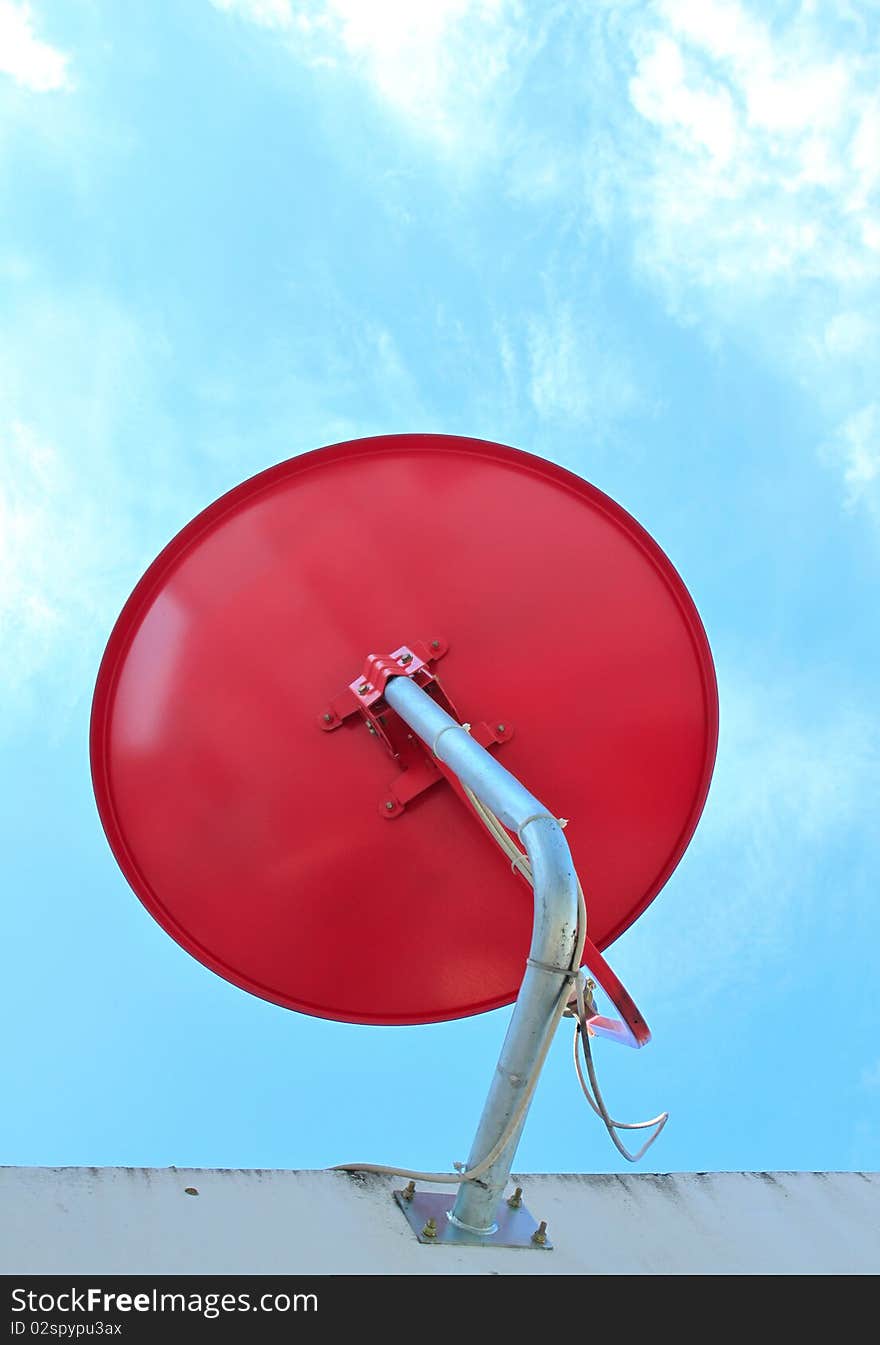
[554, 936]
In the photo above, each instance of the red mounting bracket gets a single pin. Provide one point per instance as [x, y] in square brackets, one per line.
[418, 768]
[630, 1029]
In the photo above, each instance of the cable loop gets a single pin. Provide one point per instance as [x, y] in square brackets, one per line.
[448, 729]
[533, 817]
[570, 974]
[585, 1008]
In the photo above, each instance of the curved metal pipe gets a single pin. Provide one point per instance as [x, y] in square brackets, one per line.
[554, 935]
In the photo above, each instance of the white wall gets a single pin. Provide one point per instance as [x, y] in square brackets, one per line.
[138, 1220]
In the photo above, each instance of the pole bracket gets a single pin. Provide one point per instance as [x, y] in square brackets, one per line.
[364, 698]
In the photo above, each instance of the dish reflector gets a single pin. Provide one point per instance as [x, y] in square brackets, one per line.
[258, 841]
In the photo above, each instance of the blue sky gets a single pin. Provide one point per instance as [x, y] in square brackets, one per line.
[642, 240]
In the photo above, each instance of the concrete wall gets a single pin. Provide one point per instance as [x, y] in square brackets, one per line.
[137, 1220]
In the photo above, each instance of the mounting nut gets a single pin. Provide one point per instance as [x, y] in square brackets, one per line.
[515, 1201]
[408, 1191]
[540, 1234]
[430, 1229]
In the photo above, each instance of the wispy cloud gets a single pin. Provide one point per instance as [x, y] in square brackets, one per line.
[75, 393]
[870, 1077]
[573, 375]
[730, 151]
[29, 597]
[797, 772]
[266, 13]
[97, 474]
[851, 334]
[438, 65]
[31, 62]
[748, 169]
[763, 153]
[444, 68]
[856, 449]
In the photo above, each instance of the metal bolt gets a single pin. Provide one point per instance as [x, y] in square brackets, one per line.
[363, 688]
[540, 1234]
[370, 728]
[388, 803]
[501, 728]
[515, 1200]
[328, 718]
[408, 1191]
[435, 644]
[406, 658]
[430, 1229]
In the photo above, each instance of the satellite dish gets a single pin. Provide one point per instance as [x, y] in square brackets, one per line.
[292, 829]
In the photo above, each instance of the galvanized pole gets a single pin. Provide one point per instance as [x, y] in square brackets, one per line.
[554, 935]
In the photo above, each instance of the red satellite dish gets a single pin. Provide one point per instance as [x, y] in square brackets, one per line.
[310, 852]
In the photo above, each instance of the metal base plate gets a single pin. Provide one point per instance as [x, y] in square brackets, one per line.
[515, 1226]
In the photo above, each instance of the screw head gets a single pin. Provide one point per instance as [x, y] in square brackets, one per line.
[435, 644]
[389, 805]
[502, 728]
[328, 718]
[406, 658]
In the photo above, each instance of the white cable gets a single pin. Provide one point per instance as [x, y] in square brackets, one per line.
[474, 1173]
[520, 861]
[597, 1102]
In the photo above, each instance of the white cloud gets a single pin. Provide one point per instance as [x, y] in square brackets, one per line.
[746, 170]
[733, 148]
[96, 475]
[31, 62]
[856, 449]
[700, 118]
[265, 13]
[750, 152]
[798, 770]
[76, 407]
[573, 373]
[786, 775]
[444, 68]
[434, 64]
[392, 381]
[31, 596]
[851, 333]
[760, 158]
